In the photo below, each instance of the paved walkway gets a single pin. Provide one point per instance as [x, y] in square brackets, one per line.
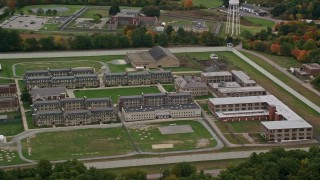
[23, 114]
[277, 81]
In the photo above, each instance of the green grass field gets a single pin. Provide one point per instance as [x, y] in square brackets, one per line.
[8, 157]
[236, 139]
[283, 61]
[169, 87]
[204, 106]
[22, 68]
[72, 8]
[50, 27]
[78, 144]
[113, 93]
[118, 67]
[145, 138]
[7, 63]
[104, 12]
[295, 104]
[207, 3]
[10, 129]
[6, 81]
[196, 55]
[239, 127]
[261, 22]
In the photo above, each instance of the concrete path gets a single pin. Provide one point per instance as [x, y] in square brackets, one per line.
[23, 114]
[283, 70]
[277, 81]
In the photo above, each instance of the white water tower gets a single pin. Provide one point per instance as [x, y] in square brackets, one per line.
[233, 18]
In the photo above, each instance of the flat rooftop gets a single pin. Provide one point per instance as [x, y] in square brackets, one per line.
[218, 73]
[285, 124]
[242, 89]
[232, 84]
[162, 107]
[243, 76]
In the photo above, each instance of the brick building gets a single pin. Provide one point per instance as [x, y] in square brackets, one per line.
[8, 90]
[8, 98]
[73, 111]
[216, 77]
[243, 79]
[192, 84]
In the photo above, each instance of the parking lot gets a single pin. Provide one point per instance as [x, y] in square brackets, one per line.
[24, 22]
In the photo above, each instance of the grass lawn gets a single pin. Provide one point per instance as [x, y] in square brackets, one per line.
[78, 144]
[204, 106]
[11, 128]
[258, 137]
[283, 61]
[50, 27]
[22, 68]
[104, 12]
[236, 139]
[261, 22]
[295, 104]
[284, 78]
[9, 158]
[186, 141]
[169, 87]
[196, 55]
[29, 120]
[239, 127]
[6, 81]
[113, 93]
[118, 67]
[205, 165]
[207, 3]
[7, 63]
[251, 29]
[72, 8]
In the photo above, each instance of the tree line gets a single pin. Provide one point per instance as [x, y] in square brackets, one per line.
[131, 37]
[298, 39]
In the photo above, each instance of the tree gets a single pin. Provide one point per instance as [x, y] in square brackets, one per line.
[40, 11]
[134, 174]
[151, 11]
[47, 43]
[285, 49]
[147, 40]
[26, 96]
[97, 17]
[10, 40]
[278, 9]
[275, 48]
[168, 30]
[187, 4]
[44, 169]
[114, 10]
[163, 40]
[48, 12]
[54, 12]
[11, 4]
[180, 36]
[183, 169]
[310, 44]
[81, 42]
[31, 44]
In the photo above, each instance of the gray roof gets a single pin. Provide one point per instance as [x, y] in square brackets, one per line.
[36, 71]
[162, 107]
[161, 72]
[231, 84]
[60, 70]
[73, 112]
[190, 82]
[180, 94]
[46, 102]
[43, 92]
[108, 109]
[159, 52]
[71, 99]
[242, 76]
[99, 99]
[63, 77]
[242, 89]
[218, 73]
[39, 78]
[285, 124]
[131, 97]
[51, 112]
[82, 69]
[86, 75]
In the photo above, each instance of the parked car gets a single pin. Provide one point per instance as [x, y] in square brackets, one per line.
[213, 56]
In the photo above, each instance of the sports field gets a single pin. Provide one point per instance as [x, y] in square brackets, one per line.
[77, 144]
[114, 92]
[147, 135]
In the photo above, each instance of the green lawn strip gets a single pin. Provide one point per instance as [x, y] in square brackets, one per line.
[239, 127]
[207, 3]
[186, 141]
[258, 137]
[169, 87]
[204, 106]
[72, 8]
[251, 29]
[6, 81]
[113, 93]
[295, 104]
[9, 158]
[236, 139]
[203, 97]
[104, 12]
[259, 21]
[283, 61]
[284, 78]
[50, 27]
[29, 120]
[11, 128]
[78, 144]
[204, 165]
[119, 67]
[196, 55]
[7, 63]
[22, 68]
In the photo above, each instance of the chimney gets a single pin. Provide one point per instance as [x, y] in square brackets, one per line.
[272, 112]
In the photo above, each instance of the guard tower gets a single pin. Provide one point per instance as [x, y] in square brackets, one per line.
[233, 18]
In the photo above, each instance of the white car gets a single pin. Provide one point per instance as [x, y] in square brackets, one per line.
[213, 56]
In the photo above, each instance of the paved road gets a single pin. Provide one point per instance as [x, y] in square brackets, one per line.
[136, 162]
[307, 85]
[277, 81]
[23, 112]
[51, 54]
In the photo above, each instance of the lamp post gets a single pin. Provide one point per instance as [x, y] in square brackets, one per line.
[160, 174]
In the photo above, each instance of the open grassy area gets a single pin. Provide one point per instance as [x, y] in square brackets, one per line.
[283, 61]
[236, 139]
[195, 55]
[295, 104]
[114, 92]
[8, 157]
[204, 97]
[204, 106]
[23, 67]
[169, 87]
[118, 67]
[11, 126]
[261, 22]
[72, 8]
[238, 127]
[150, 134]
[205, 165]
[207, 3]
[284, 78]
[7, 63]
[6, 81]
[103, 11]
[78, 144]
[50, 27]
